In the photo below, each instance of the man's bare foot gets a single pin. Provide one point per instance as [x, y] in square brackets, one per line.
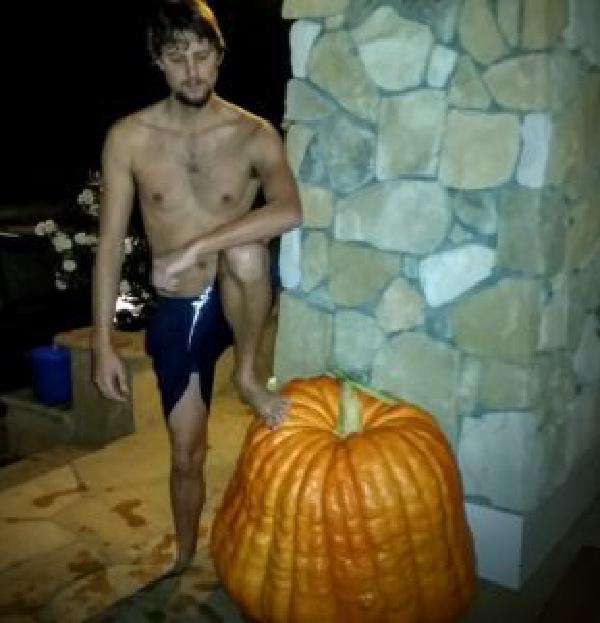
[270, 406]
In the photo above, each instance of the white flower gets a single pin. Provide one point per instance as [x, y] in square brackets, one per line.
[40, 229]
[94, 209]
[69, 266]
[50, 226]
[124, 287]
[128, 245]
[60, 284]
[62, 242]
[80, 238]
[86, 197]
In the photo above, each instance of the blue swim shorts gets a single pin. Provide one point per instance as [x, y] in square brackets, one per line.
[186, 335]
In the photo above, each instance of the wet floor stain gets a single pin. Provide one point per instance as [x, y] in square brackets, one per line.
[126, 511]
[96, 584]
[161, 551]
[85, 563]
[44, 501]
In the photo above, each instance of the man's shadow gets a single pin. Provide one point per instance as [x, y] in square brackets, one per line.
[174, 598]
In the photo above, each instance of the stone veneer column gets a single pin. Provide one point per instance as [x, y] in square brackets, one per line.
[448, 155]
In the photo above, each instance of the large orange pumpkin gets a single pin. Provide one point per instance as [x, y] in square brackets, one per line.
[359, 520]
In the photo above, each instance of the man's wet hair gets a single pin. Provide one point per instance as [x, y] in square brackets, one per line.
[168, 18]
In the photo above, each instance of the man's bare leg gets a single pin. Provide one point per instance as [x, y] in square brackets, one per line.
[246, 295]
[187, 433]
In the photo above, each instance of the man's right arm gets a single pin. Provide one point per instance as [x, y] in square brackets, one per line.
[115, 210]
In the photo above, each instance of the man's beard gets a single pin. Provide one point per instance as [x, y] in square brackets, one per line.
[200, 102]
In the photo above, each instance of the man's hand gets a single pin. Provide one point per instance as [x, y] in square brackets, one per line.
[109, 375]
[167, 268]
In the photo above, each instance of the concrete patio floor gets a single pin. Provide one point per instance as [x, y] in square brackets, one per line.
[84, 534]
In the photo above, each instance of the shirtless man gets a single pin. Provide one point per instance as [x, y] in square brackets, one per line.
[196, 162]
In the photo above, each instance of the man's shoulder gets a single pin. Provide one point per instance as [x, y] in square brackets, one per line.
[127, 129]
[244, 119]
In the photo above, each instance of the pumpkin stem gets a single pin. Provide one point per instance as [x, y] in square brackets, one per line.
[349, 415]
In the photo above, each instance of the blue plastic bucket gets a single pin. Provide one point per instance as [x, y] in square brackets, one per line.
[51, 367]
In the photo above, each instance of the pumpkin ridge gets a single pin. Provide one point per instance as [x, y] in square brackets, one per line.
[448, 501]
[375, 490]
[306, 407]
[307, 452]
[354, 441]
[442, 495]
[312, 465]
[443, 454]
[433, 532]
[240, 541]
[399, 441]
[338, 508]
[389, 466]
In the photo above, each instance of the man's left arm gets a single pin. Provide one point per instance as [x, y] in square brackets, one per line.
[281, 212]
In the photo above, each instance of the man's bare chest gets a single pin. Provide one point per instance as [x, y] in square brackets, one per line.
[205, 171]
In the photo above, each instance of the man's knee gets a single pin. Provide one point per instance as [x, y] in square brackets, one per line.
[187, 462]
[247, 263]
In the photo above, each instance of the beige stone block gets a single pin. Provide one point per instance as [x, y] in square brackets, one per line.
[421, 370]
[19, 540]
[394, 50]
[332, 22]
[297, 140]
[505, 386]
[42, 496]
[359, 274]
[304, 340]
[401, 307]
[315, 260]
[575, 155]
[480, 149]
[583, 233]
[521, 83]
[304, 103]
[334, 66]
[356, 338]
[409, 216]
[479, 33]
[509, 20]
[317, 206]
[500, 322]
[531, 232]
[543, 22]
[467, 89]
[410, 133]
[294, 9]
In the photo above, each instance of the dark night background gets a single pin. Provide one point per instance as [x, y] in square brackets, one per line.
[71, 69]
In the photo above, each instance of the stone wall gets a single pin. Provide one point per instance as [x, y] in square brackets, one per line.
[448, 155]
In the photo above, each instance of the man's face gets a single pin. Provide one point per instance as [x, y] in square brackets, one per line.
[191, 68]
